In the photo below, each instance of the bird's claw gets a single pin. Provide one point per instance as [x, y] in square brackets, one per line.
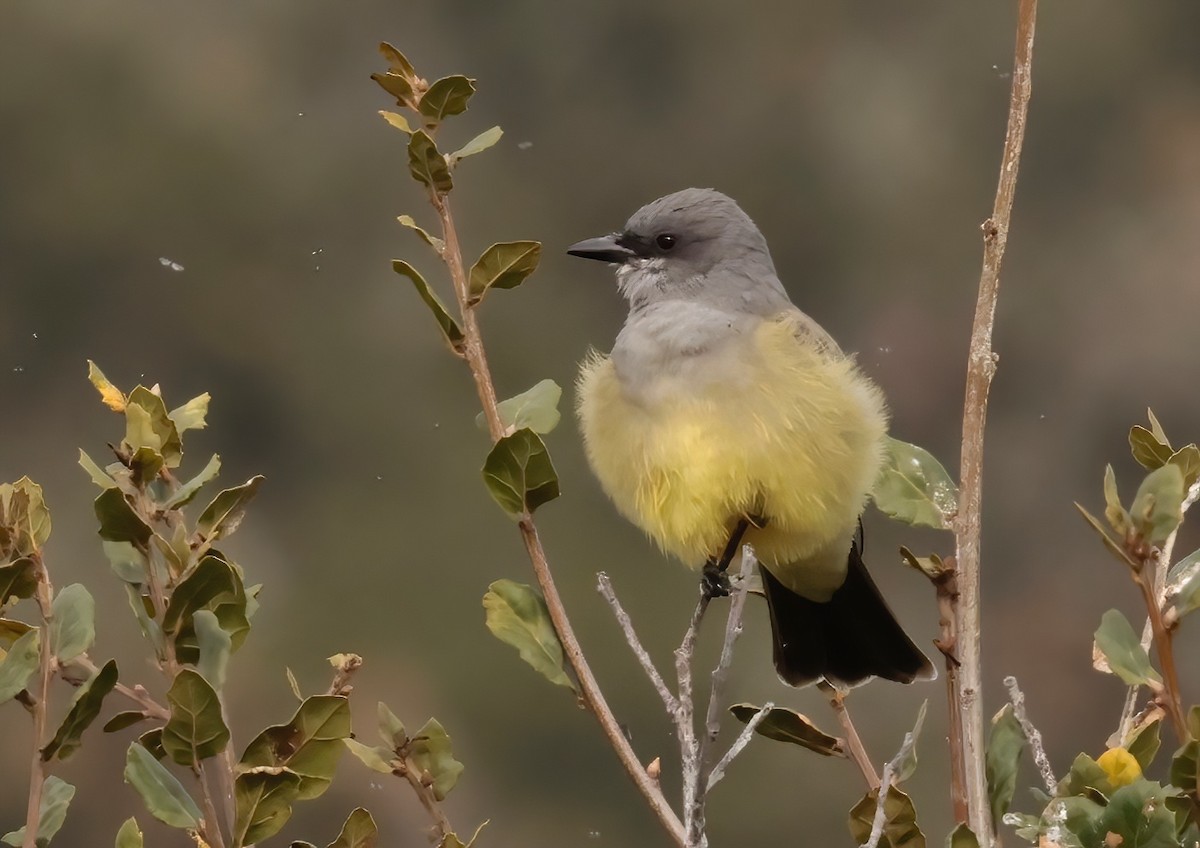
[714, 582]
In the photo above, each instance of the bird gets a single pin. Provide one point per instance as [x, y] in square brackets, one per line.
[726, 416]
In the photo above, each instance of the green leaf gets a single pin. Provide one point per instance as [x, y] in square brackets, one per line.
[191, 416]
[119, 522]
[127, 562]
[1123, 650]
[20, 662]
[478, 144]
[1114, 512]
[10, 631]
[1086, 775]
[1115, 547]
[396, 120]
[215, 585]
[145, 464]
[396, 60]
[221, 517]
[450, 329]
[784, 725]
[913, 487]
[72, 622]
[23, 508]
[962, 837]
[900, 824]
[18, 580]
[151, 740]
[177, 550]
[1138, 814]
[429, 750]
[129, 836]
[908, 763]
[375, 758]
[1193, 722]
[427, 165]
[504, 265]
[1157, 507]
[52, 812]
[99, 476]
[110, 395]
[264, 798]
[517, 615]
[359, 831]
[184, 494]
[1185, 767]
[1156, 429]
[84, 709]
[931, 566]
[398, 86]
[123, 720]
[151, 629]
[391, 729]
[309, 745]
[535, 408]
[196, 730]
[164, 797]
[147, 425]
[447, 96]
[214, 645]
[1147, 449]
[431, 240]
[1145, 742]
[1005, 745]
[519, 474]
[1187, 458]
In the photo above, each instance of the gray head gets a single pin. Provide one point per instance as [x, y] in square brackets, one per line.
[693, 243]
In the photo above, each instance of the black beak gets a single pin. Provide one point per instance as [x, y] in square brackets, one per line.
[604, 249]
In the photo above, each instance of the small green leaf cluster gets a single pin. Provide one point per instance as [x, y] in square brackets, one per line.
[425, 759]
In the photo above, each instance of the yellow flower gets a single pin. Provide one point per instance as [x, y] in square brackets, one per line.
[1120, 766]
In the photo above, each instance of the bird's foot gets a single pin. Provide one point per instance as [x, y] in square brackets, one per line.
[714, 582]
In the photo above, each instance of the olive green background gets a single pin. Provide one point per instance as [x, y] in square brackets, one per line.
[240, 140]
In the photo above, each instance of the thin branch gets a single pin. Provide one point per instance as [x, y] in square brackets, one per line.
[429, 801]
[685, 726]
[37, 771]
[138, 694]
[946, 587]
[742, 740]
[1165, 648]
[854, 744]
[733, 629]
[589, 689]
[981, 366]
[885, 786]
[212, 831]
[604, 587]
[1017, 698]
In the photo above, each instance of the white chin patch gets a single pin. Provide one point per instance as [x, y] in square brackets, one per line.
[638, 277]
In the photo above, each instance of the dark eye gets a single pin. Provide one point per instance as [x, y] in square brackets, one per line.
[666, 241]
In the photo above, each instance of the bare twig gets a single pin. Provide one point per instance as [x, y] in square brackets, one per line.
[685, 727]
[589, 689]
[1017, 698]
[604, 587]
[885, 786]
[212, 831]
[981, 366]
[1165, 648]
[733, 629]
[44, 594]
[837, 698]
[739, 744]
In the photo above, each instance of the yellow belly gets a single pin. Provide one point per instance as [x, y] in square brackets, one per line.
[797, 440]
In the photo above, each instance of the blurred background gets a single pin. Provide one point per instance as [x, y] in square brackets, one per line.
[203, 196]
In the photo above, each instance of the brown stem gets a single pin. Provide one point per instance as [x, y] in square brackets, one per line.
[946, 586]
[590, 692]
[858, 753]
[1165, 649]
[981, 366]
[37, 768]
[428, 800]
[212, 828]
[137, 694]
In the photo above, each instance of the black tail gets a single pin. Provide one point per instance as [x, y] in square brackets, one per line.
[846, 640]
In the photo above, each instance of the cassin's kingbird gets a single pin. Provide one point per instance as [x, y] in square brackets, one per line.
[724, 410]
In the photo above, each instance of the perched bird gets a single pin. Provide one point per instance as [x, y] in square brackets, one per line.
[723, 413]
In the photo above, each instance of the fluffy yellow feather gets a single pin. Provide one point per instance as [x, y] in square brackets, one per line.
[797, 441]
